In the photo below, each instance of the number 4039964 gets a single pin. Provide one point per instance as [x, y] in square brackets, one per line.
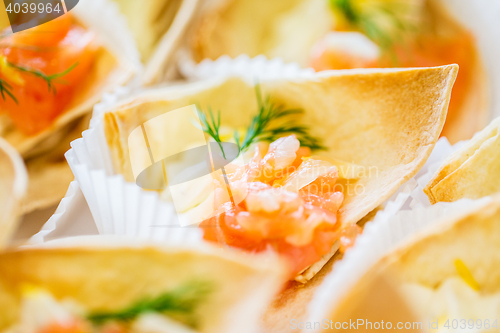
[33, 8]
[470, 324]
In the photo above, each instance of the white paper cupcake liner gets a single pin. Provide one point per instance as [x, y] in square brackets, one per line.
[71, 218]
[379, 238]
[243, 65]
[441, 151]
[119, 207]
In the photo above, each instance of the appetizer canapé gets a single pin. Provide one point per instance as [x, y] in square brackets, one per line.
[447, 274]
[42, 70]
[384, 123]
[111, 285]
[318, 158]
[51, 75]
[407, 34]
[41, 312]
[345, 34]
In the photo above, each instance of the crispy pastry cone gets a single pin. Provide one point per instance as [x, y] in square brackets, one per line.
[157, 27]
[470, 172]
[13, 183]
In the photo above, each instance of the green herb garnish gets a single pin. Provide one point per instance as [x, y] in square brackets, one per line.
[368, 21]
[180, 303]
[212, 127]
[6, 88]
[271, 123]
[47, 78]
[345, 6]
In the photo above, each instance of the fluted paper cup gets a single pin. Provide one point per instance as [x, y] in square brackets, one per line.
[242, 65]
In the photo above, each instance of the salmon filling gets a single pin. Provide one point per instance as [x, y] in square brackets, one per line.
[288, 205]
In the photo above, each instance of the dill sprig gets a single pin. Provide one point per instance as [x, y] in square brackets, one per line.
[6, 88]
[182, 302]
[346, 7]
[49, 79]
[367, 21]
[212, 127]
[271, 123]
